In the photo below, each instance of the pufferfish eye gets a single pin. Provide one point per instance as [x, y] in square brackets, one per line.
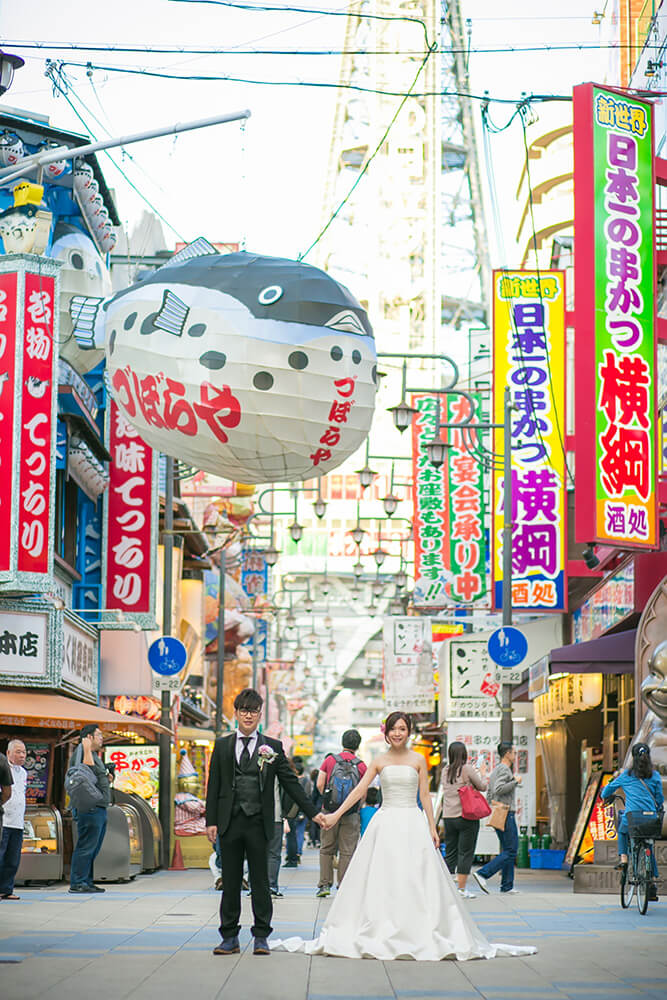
[269, 295]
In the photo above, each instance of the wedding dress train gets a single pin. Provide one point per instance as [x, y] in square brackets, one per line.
[398, 900]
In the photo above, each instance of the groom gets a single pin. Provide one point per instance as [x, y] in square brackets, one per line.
[240, 809]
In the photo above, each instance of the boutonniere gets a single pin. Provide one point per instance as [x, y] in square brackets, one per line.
[266, 755]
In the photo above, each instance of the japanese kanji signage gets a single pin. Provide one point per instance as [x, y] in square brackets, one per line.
[254, 573]
[431, 516]
[615, 356]
[23, 644]
[80, 660]
[8, 361]
[567, 695]
[467, 542]
[408, 664]
[131, 521]
[529, 357]
[27, 424]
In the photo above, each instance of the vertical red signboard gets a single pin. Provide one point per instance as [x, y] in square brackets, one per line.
[129, 518]
[36, 436]
[8, 290]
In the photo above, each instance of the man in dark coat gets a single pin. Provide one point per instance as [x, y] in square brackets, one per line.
[240, 808]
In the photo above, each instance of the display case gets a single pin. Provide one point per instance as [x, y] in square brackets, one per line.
[150, 826]
[42, 850]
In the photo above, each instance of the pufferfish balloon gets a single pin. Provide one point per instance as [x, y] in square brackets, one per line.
[258, 369]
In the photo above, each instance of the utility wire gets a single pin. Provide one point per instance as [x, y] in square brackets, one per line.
[187, 78]
[288, 9]
[370, 159]
[61, 86]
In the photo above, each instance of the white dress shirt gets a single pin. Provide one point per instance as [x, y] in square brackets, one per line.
[252, 743]
[15, 804]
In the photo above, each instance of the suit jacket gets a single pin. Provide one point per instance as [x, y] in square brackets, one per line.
[221, 783]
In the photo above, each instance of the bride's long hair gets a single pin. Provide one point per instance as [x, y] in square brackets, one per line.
[458, 756]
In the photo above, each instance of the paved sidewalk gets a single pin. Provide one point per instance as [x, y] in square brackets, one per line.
[153, 939]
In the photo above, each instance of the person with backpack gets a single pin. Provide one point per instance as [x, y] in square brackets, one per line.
[339, 774]
[88, 786]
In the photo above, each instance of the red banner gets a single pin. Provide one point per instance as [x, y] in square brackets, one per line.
[35, 508]
[129, 514]
[7, 414]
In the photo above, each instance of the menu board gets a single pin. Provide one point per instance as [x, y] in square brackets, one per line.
[37, 766]
[592, 821]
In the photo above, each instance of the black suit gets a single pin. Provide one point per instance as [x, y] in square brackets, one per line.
[247, 835]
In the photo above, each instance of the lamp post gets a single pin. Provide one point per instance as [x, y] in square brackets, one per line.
[165, 795]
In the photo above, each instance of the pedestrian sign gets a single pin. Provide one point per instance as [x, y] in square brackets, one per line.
[167, 655]
[507, 646]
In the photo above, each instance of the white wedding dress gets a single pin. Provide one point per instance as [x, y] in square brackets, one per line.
[398, 900]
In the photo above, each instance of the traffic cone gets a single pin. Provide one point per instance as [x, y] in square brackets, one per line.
[177, 859]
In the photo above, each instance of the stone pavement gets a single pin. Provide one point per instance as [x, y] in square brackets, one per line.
[153, 939]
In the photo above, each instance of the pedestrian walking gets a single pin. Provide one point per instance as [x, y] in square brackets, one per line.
[296, 819]
[241, 808]
[91, 824]
[11, 839]
[339, 774]
[6, 782]
[502, 791]
[369, 809]
[312, 828]
[276, 844]
[460, 833]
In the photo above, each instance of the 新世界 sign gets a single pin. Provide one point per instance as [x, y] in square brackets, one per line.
[615, 347]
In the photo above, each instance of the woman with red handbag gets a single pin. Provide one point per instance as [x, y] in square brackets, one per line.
[463, 807]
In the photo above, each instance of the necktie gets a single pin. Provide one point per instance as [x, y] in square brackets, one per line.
[245, 753]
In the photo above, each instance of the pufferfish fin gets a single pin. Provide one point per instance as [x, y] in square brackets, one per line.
[198, 248]
[84, 310]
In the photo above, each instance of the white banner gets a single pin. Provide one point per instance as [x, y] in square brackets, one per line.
[408, 665]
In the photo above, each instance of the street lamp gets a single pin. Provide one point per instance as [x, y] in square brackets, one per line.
[396, 607]
[402, 415]
[390, 503]
[8, 65]
[437, 452]
[328, 622]
[271, 555]
[379, 555]
[366, 476]
[320, 508]
[358, 568]
[307, 604]
[332, 644]
[401, 579]
[377, 588]
[319, 505]
[296, 532]
[358, 534]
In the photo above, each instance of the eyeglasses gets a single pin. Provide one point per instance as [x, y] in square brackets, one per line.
[248, 711]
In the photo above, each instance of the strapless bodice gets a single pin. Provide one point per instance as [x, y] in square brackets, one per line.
[399, 786]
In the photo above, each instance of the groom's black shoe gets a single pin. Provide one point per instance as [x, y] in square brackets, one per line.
[261, 947]
[228, 946]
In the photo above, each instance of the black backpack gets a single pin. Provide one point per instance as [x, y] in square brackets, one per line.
[344, 777]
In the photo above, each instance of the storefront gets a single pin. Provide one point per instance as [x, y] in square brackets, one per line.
[49, 724]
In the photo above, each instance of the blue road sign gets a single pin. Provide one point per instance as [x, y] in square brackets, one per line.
[507, 646]
[167, 655]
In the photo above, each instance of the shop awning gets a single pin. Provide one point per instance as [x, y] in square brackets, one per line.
[610, 654]
[55, 711]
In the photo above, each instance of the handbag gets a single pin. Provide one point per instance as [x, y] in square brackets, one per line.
[646, 823]
[82, 789]
[473, 803]
[498, 815]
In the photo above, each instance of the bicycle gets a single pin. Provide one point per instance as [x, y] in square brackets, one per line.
[640, 877]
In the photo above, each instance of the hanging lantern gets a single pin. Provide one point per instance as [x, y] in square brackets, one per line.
[358, 569]
[254, 368]
[401, 579]
[332, 644]
[296, 532]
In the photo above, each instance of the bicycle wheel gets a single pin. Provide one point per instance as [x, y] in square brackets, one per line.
[627, 887]
[644, 876]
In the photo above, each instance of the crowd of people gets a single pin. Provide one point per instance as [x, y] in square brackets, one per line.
[258, 799]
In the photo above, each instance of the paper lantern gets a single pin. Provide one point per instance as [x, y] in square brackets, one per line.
[11, 149]
[254, 368]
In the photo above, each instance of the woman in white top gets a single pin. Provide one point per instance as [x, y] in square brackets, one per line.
[460, 834]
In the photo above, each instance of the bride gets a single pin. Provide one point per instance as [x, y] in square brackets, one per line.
[398, 899]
